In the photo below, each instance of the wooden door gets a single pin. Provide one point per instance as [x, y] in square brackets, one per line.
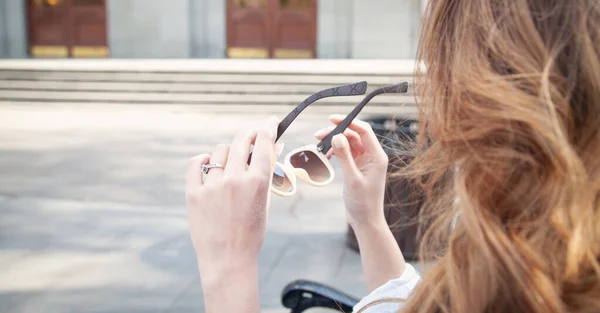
[67, 28]
[271, 28]
[48, 28]
[248, 28]
[294, 28]
[88, 28]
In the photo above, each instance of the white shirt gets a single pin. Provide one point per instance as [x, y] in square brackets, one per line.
[400, 287]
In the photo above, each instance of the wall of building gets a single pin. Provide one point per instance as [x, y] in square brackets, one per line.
[385, 29]
[149, 28]
[197, 28]
[208, 28]
[334, 29]
[13, 29]
[3, 35]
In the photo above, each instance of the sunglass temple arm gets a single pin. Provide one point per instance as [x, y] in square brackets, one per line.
[325, 145]
[355, 89]
[346, 90]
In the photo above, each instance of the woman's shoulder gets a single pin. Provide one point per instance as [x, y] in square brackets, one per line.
[390, 296]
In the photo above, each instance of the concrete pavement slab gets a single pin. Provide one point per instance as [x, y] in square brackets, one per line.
[92, 212]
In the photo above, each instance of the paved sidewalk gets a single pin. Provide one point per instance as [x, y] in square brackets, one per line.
[92, 214]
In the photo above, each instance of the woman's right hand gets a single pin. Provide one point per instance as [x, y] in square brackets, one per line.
[364, 165]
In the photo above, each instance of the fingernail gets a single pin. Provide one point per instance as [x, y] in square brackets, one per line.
[276, 119]
[338, 141]
[280, 148]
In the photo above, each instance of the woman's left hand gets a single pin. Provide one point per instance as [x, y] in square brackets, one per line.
[228, 207]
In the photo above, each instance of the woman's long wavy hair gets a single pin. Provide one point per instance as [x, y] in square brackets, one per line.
[509, 109]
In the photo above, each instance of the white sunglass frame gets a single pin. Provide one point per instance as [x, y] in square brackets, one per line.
[292, 173]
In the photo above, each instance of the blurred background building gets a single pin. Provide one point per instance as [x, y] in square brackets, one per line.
[92, 199]
[338, 29]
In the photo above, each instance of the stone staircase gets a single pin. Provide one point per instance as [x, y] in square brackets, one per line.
[222, 83]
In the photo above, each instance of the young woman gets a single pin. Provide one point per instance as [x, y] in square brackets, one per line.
[509, 146]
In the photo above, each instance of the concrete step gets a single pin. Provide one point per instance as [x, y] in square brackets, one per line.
[254, 66]
[232, 78]
[189, 98]
[277, 109]
[208, 88]
[209, 83]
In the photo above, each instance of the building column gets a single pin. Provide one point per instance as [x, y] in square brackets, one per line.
[385, 29]
[334, 28]
[148, 28]
[208, 28]
[13, 29]
[3, 35]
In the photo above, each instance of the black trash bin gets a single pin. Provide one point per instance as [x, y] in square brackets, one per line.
[402, 197]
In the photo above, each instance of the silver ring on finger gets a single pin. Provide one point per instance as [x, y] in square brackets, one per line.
[208, 167]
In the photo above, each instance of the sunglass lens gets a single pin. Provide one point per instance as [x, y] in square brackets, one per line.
[312, 164]
[280, 180]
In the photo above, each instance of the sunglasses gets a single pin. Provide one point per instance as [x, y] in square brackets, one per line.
[310, 163]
